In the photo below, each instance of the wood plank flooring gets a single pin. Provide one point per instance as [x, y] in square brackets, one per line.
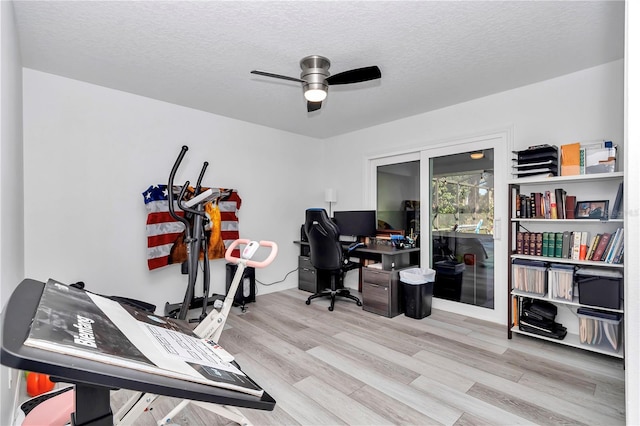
[357, 368]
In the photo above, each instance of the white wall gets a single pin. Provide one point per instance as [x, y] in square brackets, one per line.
[90, 152]
[11, 182]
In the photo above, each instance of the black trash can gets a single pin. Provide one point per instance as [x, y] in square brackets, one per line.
[417, 286]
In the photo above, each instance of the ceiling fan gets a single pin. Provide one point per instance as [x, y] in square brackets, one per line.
[316, 79]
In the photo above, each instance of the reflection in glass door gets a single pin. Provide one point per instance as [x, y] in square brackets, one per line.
[462, 227]
[398, 195]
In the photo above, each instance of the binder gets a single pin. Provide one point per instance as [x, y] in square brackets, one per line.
[570, 159]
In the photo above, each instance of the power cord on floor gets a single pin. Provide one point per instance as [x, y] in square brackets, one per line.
[277, 282]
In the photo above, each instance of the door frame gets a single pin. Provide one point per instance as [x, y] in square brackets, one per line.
[501, 142]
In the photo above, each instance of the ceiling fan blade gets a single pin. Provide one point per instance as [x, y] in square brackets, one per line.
[357, 75]
[282, 77]
[313, 106]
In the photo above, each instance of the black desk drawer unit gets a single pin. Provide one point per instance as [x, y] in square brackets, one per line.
[381, 292]
[307, 275]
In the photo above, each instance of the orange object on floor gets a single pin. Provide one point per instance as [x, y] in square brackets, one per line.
[38, 383]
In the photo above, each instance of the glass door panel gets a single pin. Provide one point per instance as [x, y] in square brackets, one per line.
[462, 220]
[398, 195]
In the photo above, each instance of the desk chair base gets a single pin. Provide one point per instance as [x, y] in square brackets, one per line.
[343, 292]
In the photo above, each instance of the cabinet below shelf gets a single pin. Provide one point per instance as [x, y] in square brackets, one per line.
[573, 340]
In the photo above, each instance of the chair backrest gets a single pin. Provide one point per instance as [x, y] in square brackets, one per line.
[324, 240]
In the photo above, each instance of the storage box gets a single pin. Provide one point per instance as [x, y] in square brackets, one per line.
[560, 282]
[530, 277]
[600, 329]
[597, 287]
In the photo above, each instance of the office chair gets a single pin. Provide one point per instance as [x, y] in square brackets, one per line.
[327, 255]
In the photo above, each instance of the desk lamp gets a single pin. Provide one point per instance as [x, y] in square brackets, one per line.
[330, 196]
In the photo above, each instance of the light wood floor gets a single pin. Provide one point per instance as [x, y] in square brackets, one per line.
[353, 367]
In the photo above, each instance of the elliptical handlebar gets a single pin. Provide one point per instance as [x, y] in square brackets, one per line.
[172, 175]
[252, 263]
[183, 190]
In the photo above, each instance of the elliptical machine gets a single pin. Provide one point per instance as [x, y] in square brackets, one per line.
[196, 240]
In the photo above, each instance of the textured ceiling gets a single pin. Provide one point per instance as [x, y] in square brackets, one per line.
[432, 54]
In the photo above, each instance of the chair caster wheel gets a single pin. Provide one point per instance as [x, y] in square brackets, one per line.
[308, 302]
[359, 303]
[331, 308]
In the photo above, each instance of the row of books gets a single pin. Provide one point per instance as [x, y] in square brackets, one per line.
[577, 245]
[551, 204]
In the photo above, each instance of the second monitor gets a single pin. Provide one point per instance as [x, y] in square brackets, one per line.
[356, 223]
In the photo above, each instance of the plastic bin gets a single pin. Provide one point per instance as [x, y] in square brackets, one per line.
[600, 329]
[417, 286]
[597, 287]
[560, 282]
[530, 277]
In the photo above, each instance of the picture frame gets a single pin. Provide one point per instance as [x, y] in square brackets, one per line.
[592, 209]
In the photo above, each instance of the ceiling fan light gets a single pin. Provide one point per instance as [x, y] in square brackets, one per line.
[477, 155]
[315, 95]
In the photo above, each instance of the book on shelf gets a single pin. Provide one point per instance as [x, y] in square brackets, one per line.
[519, 242]
[515, 311]
[570, 207]
[545, 244]
[538, 244]
[534, 206]
[560, 201]
[515, 202]
[616, 211]
[551, 251]
[559, 244]
[575, 245]
[73, 322]
[608, 247]
[602, 245]
[566, 245]
[526, 243]
[553, 205]
[615, 258]
[592, 246]
[584, 236]
[615, 245]
[620, 256]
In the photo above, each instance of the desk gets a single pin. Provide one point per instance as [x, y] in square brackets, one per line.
[380, 287]
[389, 256]
[93, 379]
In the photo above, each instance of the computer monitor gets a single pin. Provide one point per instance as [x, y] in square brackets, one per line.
[356, 223]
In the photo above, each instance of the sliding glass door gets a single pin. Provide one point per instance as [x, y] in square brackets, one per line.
[452, 203]
[464, 185]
